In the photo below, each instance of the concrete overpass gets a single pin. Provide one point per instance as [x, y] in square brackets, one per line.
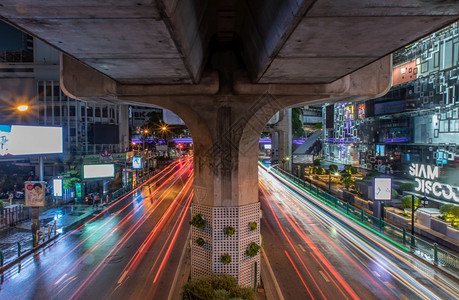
[225, 67]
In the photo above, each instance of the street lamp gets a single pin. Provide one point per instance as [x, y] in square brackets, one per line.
[22, 107]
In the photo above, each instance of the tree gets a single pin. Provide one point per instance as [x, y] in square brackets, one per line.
[71, 178]
[407, 186]
[297, 124]
[406, 201]
[333, 168]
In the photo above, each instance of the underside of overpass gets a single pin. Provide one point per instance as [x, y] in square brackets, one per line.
[225, 67]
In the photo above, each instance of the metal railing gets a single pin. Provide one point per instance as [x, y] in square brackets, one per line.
[428, 251]
[44, 235]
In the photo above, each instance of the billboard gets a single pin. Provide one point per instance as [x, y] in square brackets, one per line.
[57, 187]
[30, 140]
[137, 162]
[303, 159]
[382, 189]
[34, 192]
[98, 171]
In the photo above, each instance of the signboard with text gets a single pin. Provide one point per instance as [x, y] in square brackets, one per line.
[137, 162]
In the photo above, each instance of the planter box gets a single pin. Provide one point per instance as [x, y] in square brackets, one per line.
[452, 232]
[438, 225]
[395, 217]
[348, 196]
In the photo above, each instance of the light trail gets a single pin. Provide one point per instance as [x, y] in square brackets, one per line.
[407, 272]
[112, 217]
[112, 252]
[312, 246]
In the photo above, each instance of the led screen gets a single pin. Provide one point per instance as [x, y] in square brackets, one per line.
[57, 187]
[98, 171]
[267, 146]
[29, 140]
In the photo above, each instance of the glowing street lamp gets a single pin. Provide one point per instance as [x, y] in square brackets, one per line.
[23, 107]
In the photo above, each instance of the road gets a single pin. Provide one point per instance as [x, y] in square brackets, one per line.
[129, 250]
[317, 254]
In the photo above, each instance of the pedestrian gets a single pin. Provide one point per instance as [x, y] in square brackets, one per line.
[10, 197]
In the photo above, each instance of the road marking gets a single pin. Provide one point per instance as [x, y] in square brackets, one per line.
[390, 285]
[376, 274]
[403, 297]
[122, 277]
[301, 247]
[324, 276]
[288, 230]
[57, 282]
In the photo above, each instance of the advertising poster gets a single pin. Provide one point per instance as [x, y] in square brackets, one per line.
[34, 192]
[137, 162]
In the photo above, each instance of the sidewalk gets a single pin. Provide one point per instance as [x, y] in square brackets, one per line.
[17, 241]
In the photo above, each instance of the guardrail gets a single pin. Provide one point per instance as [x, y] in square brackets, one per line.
[428, 251]
[46, 234]
[125, 190]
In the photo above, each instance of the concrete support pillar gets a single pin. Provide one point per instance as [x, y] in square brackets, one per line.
[226, 113]
[284, 131]
[226, 191]
[124, 128]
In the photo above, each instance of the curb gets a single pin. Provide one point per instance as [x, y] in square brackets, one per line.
[271, 278]
[27, 253]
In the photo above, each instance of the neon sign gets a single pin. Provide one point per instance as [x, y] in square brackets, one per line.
[425, 176]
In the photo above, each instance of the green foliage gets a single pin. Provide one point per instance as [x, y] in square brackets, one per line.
[217, 288]
[320, 171]
[198, 221]
[406, 201]
[333, 168]
[318, 126]
[198, 289]
[253, 225]
[353, 170]
[225, 259]
[1, 203]
[455, 211]
[445, 208]
[229, 231]
[394, 194]
[347, 182]
[221, 295]
[200, 242]
[317, 161]
[297, 124]
[71, 177]
[407, 187]
[253, 249]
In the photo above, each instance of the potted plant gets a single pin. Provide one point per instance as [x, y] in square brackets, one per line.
[253, 249]
[225, 259]
[229, 231]
[198, 221]
[200, 242]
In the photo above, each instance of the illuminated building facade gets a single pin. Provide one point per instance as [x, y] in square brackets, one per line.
[416, 122]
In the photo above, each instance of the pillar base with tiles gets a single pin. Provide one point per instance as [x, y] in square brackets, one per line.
[206, 258]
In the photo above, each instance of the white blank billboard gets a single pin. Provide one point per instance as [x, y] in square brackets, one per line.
[30, 140]
[98, 171]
